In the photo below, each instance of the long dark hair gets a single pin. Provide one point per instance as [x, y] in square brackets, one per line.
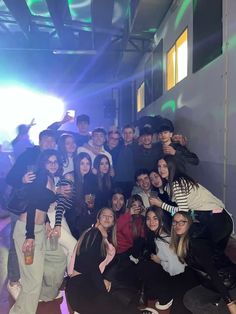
[131, 200]
[163, 229]
[86, 240]
[62, 147]
[118, 190]
[104, 180]
[43, 159]
[78, 178]
[177, 174]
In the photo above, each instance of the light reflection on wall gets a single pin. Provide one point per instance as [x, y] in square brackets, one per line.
[3, 7]
[181, 12]
[169, 105]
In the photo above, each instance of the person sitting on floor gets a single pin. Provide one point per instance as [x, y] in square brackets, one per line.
[161, 265]
[89, 290]
[194, 245]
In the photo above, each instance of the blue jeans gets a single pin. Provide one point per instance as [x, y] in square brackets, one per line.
[13, 271]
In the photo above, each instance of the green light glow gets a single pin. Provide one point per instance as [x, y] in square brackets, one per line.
[86, 20]
[151, 30]
[3, 7]
[232, 42]
[170, 104]
[181, 12]
[80, 10]
[194, 5]
[38, 7]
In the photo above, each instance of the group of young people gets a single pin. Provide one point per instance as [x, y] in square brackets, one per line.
[133, 228]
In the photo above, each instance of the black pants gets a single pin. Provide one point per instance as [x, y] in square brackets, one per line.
[157, 283]
[219, 228]
[85, 298]
[180, 284]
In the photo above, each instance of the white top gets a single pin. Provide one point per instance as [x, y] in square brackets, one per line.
[169, 260]
[68, 166]
[196, 199]
[83, 149]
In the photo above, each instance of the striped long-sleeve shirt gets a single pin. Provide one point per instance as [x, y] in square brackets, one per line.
[63, 203]
[197, 199]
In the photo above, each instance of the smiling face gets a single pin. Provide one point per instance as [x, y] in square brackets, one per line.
[180, 224]
[117, 201]
[143, 182]
[146, 140]
[104, 166]
[98, 139]
[52, 164]
[84, 166]
[106, 218]
[152, 221]
[163, 169]
[155, 179]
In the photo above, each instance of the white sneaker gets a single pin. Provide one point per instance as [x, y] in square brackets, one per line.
[149, 310]
[163, 306]
[14, 290]
[60, 295]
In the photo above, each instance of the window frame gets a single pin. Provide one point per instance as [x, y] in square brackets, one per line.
[172, 69]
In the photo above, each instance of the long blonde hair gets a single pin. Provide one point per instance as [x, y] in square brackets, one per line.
[180, 243]
[87, 235]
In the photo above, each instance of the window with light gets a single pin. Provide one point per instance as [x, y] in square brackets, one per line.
[177, 61]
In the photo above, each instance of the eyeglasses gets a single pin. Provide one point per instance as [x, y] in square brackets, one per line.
[180, 223]
[49, 162]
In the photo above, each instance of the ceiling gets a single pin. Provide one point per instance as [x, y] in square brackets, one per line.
[77, 40]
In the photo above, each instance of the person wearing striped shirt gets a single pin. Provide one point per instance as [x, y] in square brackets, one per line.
[58, 222]
[189, 195]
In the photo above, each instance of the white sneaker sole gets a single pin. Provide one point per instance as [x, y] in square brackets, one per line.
[164, 306]
[150, 309]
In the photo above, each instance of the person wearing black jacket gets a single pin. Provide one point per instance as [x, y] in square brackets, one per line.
[170, 147]
[88, 290]
[82, 122]
[19, 172]
[193, 245]
[19, 175]
[30, 231]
